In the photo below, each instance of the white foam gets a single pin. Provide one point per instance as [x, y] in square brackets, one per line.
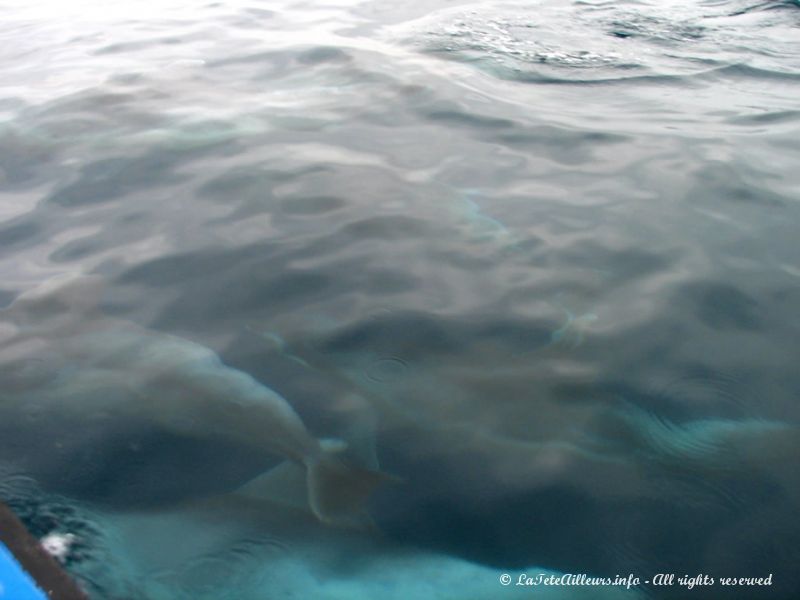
[57, 545]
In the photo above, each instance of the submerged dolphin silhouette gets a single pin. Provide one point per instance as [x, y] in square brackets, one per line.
[476, 425]
[57, 363]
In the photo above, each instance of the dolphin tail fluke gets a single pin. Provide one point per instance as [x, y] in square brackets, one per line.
[337, 492]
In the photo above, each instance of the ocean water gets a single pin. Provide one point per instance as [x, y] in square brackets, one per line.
[536, 260]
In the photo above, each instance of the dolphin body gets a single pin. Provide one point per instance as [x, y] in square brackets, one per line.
[442, 399]
[490, 448]
[55, 364]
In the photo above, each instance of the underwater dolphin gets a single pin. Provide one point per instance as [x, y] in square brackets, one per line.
[435, 409]
[491, 449]
[54, 362]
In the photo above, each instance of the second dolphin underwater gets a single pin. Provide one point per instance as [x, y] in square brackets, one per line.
[57, 366]
[531, 461]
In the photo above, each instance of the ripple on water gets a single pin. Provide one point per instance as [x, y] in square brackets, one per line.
[224, 574]
[387, 370]
[582, 42]
[701, 390]
[16, 485]
[655, 28]
[520, 43]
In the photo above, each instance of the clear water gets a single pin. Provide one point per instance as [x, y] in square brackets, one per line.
[539, 260]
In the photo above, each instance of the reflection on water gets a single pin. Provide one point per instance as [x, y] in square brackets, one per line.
[526, 274]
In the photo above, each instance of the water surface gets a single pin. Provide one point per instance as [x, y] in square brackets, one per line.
[549, 248]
